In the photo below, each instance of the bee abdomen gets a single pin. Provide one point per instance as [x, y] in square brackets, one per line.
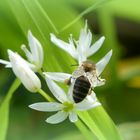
[81, 89]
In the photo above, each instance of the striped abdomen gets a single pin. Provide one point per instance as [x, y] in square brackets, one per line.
[81, 89]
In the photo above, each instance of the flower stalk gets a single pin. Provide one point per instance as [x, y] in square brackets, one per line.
[45, 95]
[84, 130]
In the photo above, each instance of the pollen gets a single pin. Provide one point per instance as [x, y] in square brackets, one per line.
[68, 106]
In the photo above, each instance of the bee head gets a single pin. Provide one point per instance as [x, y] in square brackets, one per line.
[88, 66]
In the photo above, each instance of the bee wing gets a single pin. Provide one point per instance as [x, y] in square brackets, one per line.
[78, 72]
[91, 79]
[94, 79]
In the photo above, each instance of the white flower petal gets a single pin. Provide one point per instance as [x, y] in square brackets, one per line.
[56, 90]
[81, 57]
[32, 66]
[85, 39]
[89, 102]
[46, 106]
[72, 44]
[100, 82]
[82, 39]
[91, 98]
[95, 47]
[57, 118]
[88, 41]
[73, 117]
[28, 53]
[85, 105]
[83, 44]
[91, 106]
[69, 48]
[36, 50]
[103, 62]
[57, 76]
[23, 72]
[6, 63]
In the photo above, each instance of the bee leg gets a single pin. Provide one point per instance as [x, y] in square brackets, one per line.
[90, 91]
[98, 78]
[68, 81]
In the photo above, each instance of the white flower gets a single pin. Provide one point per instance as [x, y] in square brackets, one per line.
[66, 106]
[6, 63]
[81, 49]
[97, 81]
[35, 55]
[22, 70]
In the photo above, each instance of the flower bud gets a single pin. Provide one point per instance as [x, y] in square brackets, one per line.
[22, 70]
[35, 54]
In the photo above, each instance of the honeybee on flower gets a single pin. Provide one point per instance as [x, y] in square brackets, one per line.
[65, 106]
[87, 75]
[82, 81]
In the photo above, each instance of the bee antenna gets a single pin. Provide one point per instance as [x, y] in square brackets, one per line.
[74, 65]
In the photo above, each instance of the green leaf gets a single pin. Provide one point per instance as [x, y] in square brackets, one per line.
[85, 117]
[100, 124]
[9, 36]
[85, 131]
[130, 130]
[94, 6]
[32, 15]
[107, 126]
[124, 9]
[4, 110]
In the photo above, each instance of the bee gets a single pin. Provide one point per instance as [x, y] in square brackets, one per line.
[85, 79]
[81, 89]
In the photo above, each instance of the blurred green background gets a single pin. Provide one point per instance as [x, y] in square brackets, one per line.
[117, 20]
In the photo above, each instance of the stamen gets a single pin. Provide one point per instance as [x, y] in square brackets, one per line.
[68, 106]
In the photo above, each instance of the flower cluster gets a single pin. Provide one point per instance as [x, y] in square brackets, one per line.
[24, 69]
[66, 106]
[80, 50]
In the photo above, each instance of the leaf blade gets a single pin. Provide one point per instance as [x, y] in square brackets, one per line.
[4, 110]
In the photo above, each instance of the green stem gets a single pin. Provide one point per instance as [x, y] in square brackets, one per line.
[45, 95]
[42, 92]
[46, 16]
[89, 9]
[4, 109]
[41, 73]
[84, 130]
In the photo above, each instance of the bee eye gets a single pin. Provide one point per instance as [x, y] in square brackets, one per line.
[87, 69]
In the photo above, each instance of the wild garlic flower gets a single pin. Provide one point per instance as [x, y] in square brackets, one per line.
[81, 49]
[65, 105]
[97, 81]
[35, 55]
[22, 70]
